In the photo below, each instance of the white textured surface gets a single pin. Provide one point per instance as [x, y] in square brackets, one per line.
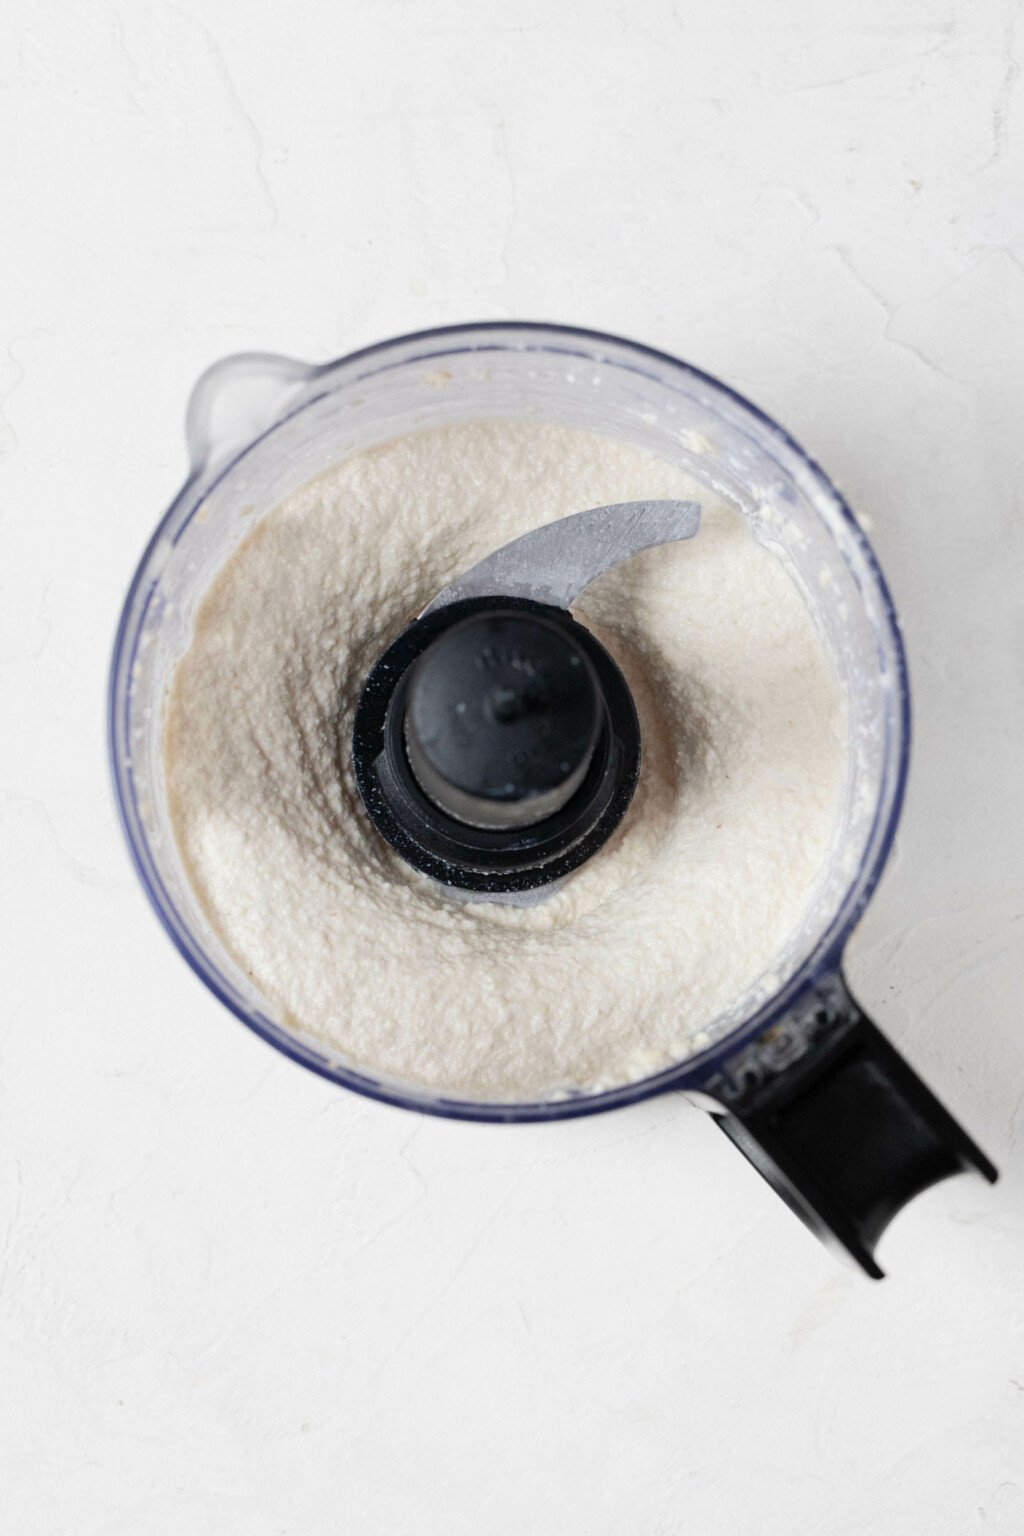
[235, 1300]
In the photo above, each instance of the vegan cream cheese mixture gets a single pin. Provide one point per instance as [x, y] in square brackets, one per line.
[622, 970]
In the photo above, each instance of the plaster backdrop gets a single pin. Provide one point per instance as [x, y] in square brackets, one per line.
[235, 1301]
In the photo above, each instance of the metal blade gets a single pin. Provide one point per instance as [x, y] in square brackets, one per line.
[554, 564]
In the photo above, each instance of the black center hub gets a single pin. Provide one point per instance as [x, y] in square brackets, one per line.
[503, 714]
[496, 744]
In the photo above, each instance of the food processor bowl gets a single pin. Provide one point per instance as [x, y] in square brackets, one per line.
[796, 1074]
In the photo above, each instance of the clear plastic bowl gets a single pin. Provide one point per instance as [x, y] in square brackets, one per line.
[260, 426]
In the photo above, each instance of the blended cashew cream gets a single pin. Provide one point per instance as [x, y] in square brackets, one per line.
[685, 911]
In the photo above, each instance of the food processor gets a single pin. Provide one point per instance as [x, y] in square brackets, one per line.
[794, 1072]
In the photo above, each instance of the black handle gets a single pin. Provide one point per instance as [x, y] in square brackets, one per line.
[837, 1122]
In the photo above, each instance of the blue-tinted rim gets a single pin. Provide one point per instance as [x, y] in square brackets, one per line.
[695, 1070]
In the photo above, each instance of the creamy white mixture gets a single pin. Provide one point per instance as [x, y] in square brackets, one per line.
[620, 973]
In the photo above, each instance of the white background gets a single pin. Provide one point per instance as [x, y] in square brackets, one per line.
[236, 1300]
